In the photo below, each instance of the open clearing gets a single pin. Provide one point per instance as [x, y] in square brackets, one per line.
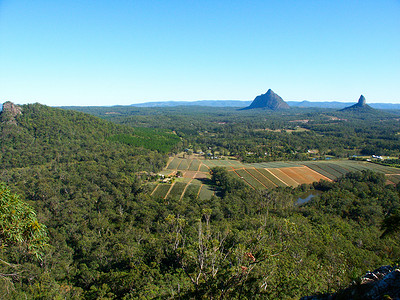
[266, 175]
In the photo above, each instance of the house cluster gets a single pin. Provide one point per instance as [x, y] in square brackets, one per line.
[377, 157]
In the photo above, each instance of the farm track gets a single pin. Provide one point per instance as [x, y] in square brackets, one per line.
[323, 177]
[274, 176]
[235, 171]
[184, 190]
[254, 178]
[265, 175]
[266, 182]
[170, 188]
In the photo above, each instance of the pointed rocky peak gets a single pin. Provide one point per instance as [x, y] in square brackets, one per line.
[10, 112]
[362, 101]
[361, 106]
[269, 100]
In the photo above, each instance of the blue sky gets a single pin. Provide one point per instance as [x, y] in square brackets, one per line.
[124, 52]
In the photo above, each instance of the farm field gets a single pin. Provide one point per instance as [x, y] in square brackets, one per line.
[161, 190]
[205, 192]
[177, 190]
[264, 175]
[261, 178]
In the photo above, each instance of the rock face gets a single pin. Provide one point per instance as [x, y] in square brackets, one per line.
[10, 112]
[269, 100]
[361, 105]
[361, 101]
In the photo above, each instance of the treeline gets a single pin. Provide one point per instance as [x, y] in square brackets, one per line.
[254, 136]
[114, 241]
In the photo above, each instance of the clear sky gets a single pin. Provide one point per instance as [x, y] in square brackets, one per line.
[58, 52]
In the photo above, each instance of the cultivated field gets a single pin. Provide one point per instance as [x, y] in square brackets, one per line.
[195, 174]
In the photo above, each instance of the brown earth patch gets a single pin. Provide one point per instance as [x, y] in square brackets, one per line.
[302, 174]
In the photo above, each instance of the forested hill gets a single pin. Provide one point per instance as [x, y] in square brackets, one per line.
[82, 181]
[40, 134]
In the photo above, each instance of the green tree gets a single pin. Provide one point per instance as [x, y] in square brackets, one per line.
[19, 225]
[19, 228]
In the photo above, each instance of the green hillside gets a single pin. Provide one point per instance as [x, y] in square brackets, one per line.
[41, 134]
[204, 236]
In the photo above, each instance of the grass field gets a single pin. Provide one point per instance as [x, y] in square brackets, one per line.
[265, 175]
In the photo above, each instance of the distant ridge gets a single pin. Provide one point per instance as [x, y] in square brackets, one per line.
[269, 100]
[242, 103]
[360, 106]
[213, 103]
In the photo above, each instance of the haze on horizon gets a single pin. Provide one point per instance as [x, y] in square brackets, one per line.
[126, 52]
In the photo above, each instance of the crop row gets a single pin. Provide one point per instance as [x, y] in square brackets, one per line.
[334, 170]
[260, 177]
[270, 174]
[394, 178]
[180, 189]
[249, 179]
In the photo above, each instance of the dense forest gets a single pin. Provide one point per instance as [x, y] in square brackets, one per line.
[89, 229]
[264, 135]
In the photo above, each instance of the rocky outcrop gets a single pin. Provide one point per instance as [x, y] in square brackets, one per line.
[10, 112]
[269, 100]
[382, 283]
[361, 101]
[361, 105]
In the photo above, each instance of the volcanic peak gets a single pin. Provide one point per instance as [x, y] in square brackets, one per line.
[269, 100]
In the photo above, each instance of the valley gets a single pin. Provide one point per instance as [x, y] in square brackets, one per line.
[187, 202]
[194, 174]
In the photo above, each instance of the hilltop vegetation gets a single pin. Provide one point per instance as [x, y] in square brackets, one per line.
[43, 134]
[109, 238]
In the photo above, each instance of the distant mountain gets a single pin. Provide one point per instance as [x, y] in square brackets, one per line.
[339, 105]
[360, 106]
[213, 103]
[242, 103]
[269, 100]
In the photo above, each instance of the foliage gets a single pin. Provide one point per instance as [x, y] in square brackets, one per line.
[109, 239]
[19, 225]
[391, 224]
[19, 231]
[153, 139]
